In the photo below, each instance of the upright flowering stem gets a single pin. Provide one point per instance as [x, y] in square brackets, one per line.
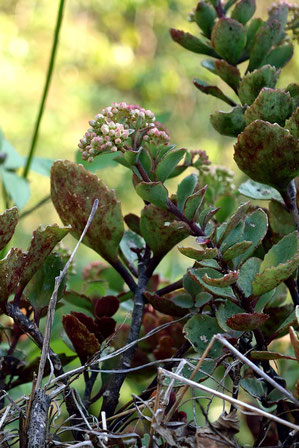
[46, 88]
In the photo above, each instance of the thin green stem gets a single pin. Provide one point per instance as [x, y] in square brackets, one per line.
[46, 88]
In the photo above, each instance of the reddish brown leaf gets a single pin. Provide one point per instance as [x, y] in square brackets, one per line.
[246, 321]
[165, 305]
[8, 222]
[269, 356]
[105, 327]
[11, 268]
[85, 343]
[106, 306]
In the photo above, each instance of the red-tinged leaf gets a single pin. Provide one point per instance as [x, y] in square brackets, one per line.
[106, 306]
[213, 91]
[85, 343]
[86, 320]
[226, 280]
[199, 254]
[165, 348]
[43, 241]
[229, 39]
[246, 321]
[294, 342]
[73, 191]
[11, 268]
[269, 356]
[8, 221]
[160, 229]
[263, 149]
[227, 72]
[165, 305]
[105, 327]
[191, 43]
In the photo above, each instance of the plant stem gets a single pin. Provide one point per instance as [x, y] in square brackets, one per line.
[46, 88]
[124, 273]
[169, 288]
[35, 207]
[111, 395]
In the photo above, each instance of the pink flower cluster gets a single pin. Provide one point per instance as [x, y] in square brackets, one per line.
[113, 129]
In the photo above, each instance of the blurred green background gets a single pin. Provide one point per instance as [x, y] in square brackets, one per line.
[113, 50]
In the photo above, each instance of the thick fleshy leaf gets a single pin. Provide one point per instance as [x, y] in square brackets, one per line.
[17, 187]
[292, 124]
[226, 280]
[263, 149]
[185, 189]
[264, 39]
[204, 16]
[261, 192]
[227, 205]
[183, 299]
[160, 229]
[271, 105]
[236, 250]
[229, 123]
[281, 317]
[133, 222]
[106, 306]
[246, 321]
[252, 29]
[191, 43]
[281, 252]
[208, 264]
[199, 330]
[212, 90]
[105, 327]
[272, 276]
[243, 11]
[43, 241]
[233, 237]
[227, 72]
[129, 244]
[233, 221]
[225, 311]
[8, 221]
[269, 356]
[198, 274]
[153, 192]
[168, 163]
[165, 305]
[78, 300]
[40, 288]
[280, 56]
[254, 387]
[290, 321]
[252, 83]
[280, 13]
[247, 273]
[11, 268]
[73, 191]
[293, 90]
[198, 254]
[229, 39]
[295, 342]
[85, 343]
[256, 226]
[193, 204]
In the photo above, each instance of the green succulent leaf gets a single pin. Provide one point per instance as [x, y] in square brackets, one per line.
[292, 124]
[264, 39]
[194, 204]
[204, 16]
[226, 205]
[153, 192]
[230, 123]
[227, 72]
[212, 90]
[225, 311]
[133, 222]
[168, 163]
[233, 221]
[272, 105]
[252, 83]
[252, 29]
[229, 39]
[236, 250]
[281, 221]
[185, 189]
[8, 221]
[263, 149]
[269, 356]
[160, 229]
[278, 264]
[73, 191]
[246, 321]
[199, 330]
[78, 300]
[192, 43]
[280, 13]
[226, 280]
[198, 254]
[293, 90]
[243, 11]
[40, 288]
[280, 56]
[43, 241]
[219, 291]
[254, 387]
[256, 190]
